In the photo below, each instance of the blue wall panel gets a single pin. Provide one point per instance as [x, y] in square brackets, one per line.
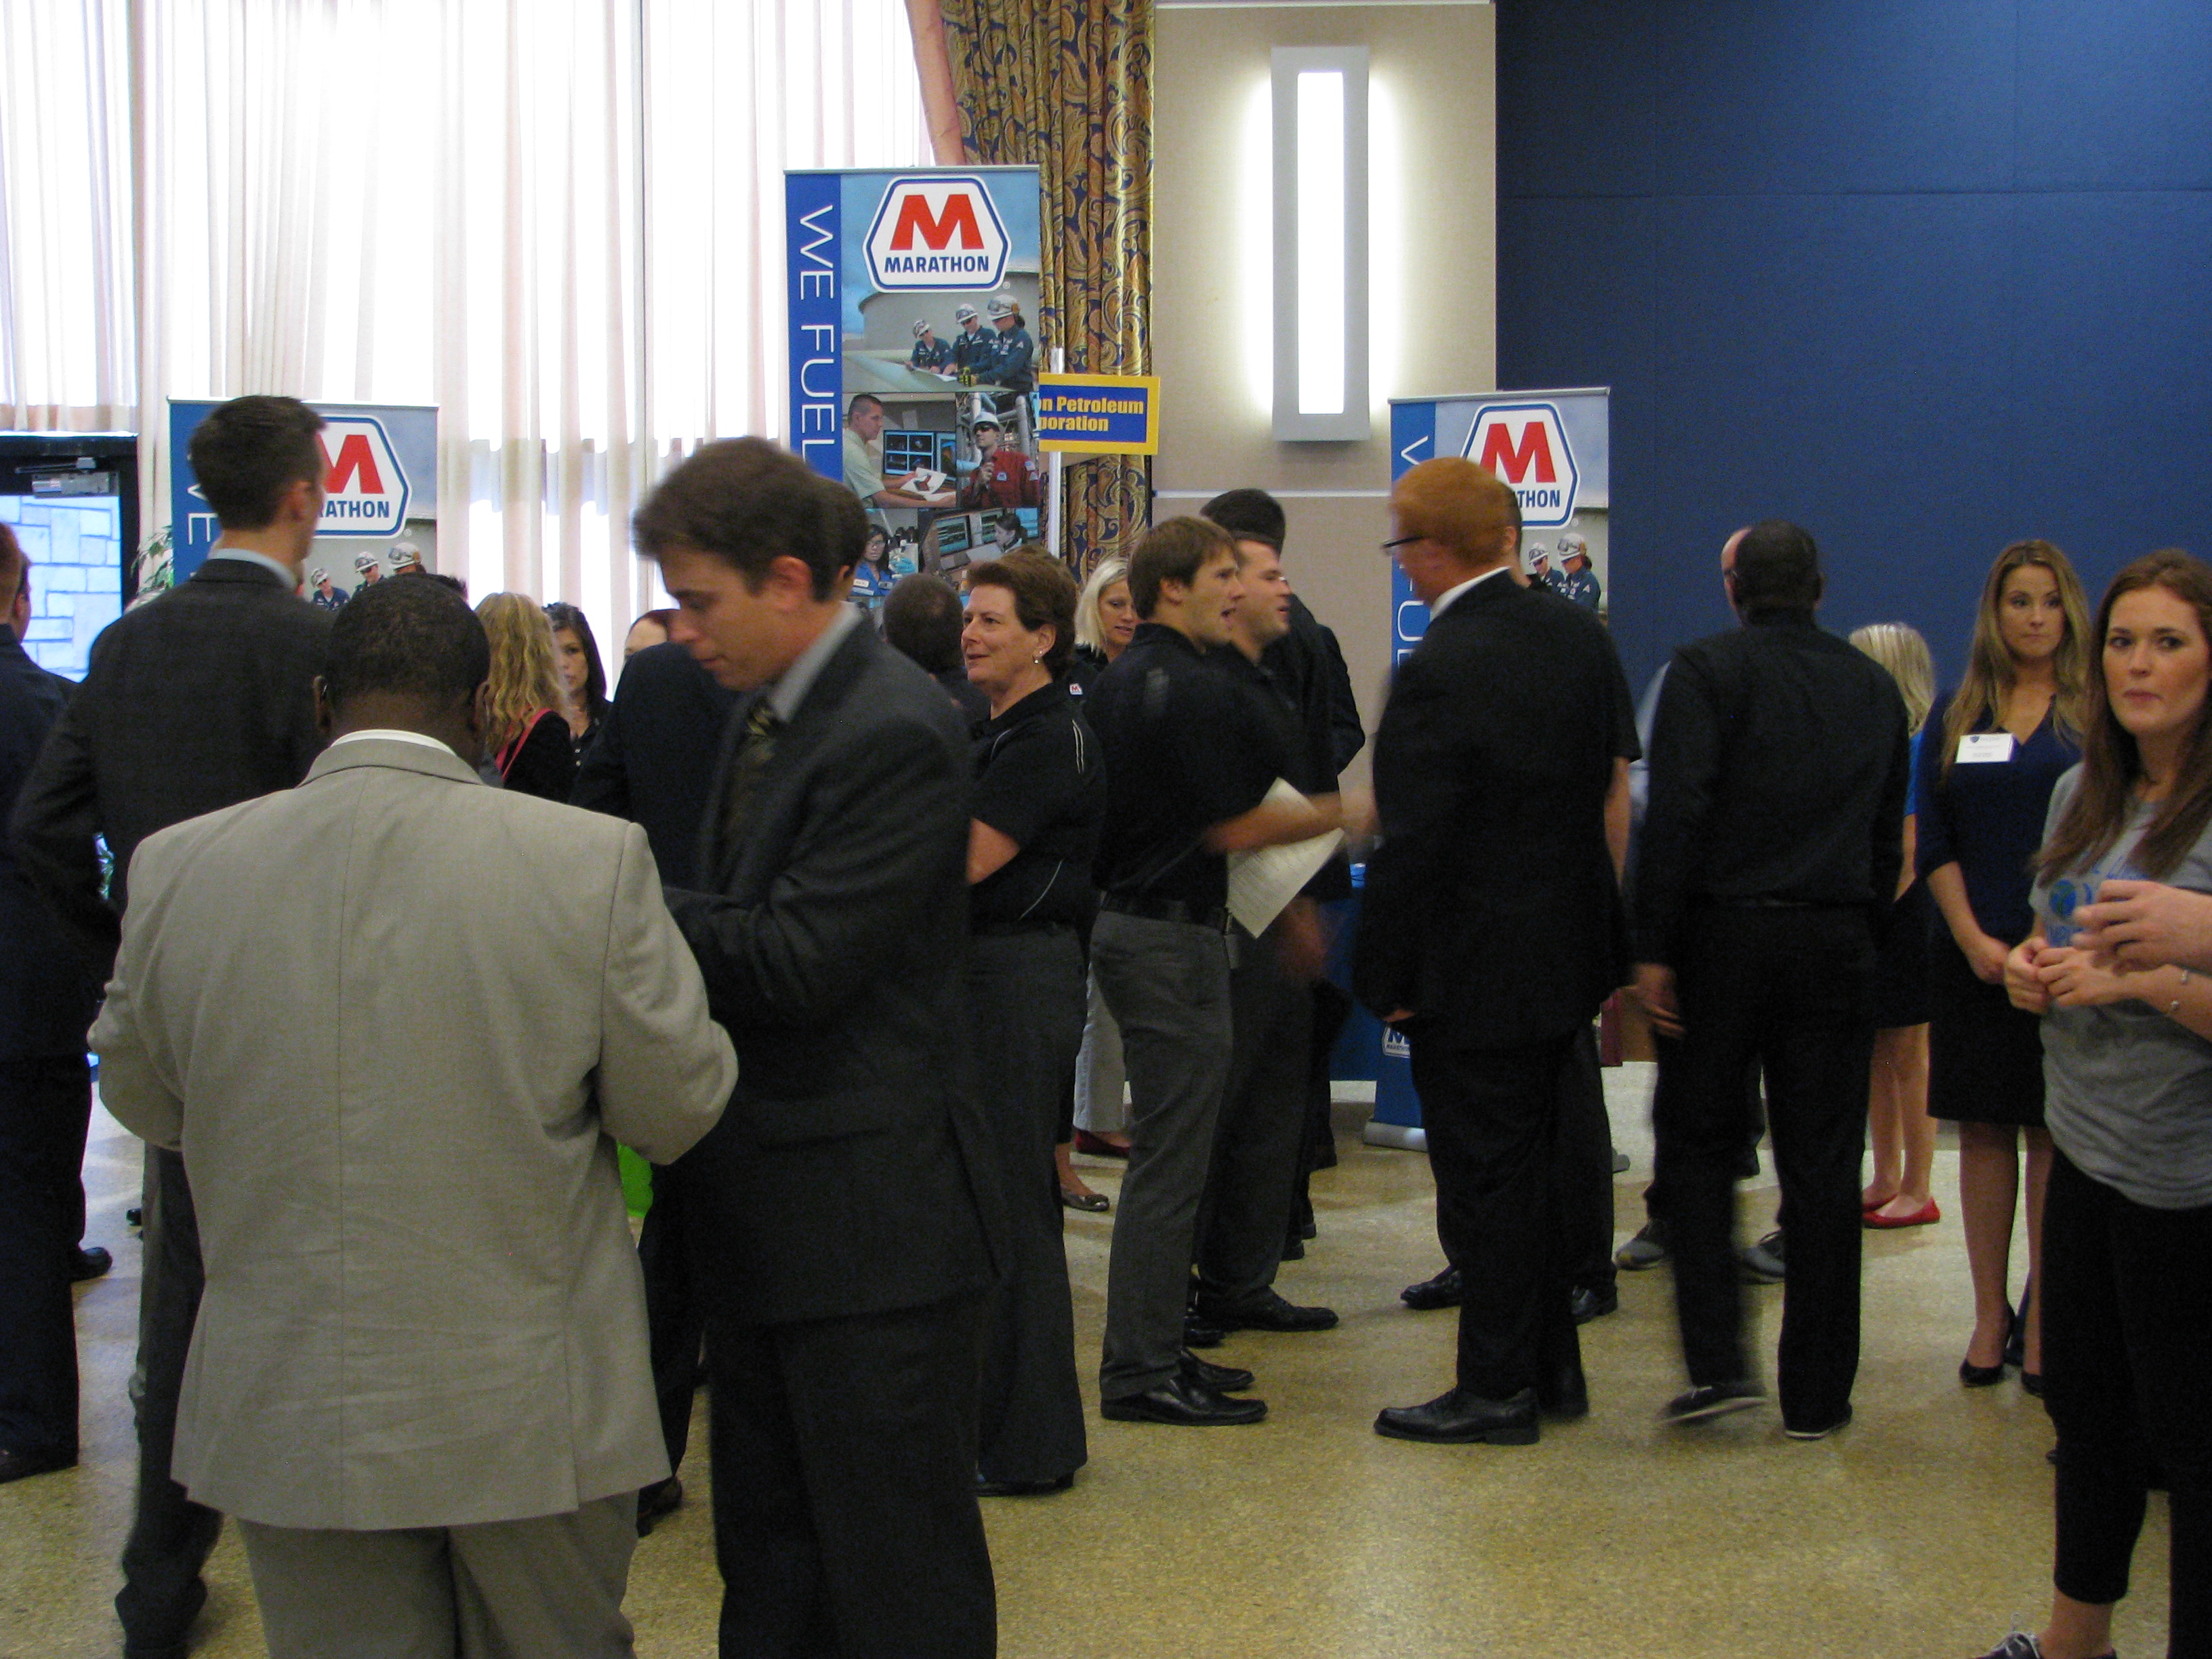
[1927, 276]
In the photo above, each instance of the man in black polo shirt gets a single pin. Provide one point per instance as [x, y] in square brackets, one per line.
[1250, 1192]
[1186, 786]
[1771, 847]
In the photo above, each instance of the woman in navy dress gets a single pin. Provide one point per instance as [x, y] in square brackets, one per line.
[1985, 775]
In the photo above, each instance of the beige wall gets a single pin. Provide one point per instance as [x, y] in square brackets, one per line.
[1432, 151]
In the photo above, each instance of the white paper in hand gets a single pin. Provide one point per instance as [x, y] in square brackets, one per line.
[1262, 881]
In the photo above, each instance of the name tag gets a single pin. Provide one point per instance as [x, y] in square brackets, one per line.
[1985, 746]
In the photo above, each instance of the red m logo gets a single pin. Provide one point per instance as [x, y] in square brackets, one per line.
[1512, 463]
[355, 459]
[937, 229]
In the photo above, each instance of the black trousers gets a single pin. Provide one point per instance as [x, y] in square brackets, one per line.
[1584, 1181]
[846, 1523]
[170, 1535]
[1252, 1181]
[1492, 1118]
[1028, 997]
[675, 1321]
[1791, 990]
[2127, 1374]
[45, 1104]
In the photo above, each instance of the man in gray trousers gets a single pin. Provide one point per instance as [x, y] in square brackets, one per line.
[419, 1377]
[1188, 783]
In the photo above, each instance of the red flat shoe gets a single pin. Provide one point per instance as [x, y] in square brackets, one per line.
[1926, 1214]
[1097, 1146]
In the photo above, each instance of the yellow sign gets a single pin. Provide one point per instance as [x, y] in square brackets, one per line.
[1098, 414]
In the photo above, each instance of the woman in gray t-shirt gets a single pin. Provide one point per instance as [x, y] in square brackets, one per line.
[2127, 1241]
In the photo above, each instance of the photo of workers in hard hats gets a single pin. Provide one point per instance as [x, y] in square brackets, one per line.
[1566, 560]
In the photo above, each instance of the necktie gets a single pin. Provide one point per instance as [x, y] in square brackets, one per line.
[762, 725]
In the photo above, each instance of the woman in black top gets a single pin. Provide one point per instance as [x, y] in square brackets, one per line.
[1040, 795]
[1992, 755]
[526, 724]
[576, 653]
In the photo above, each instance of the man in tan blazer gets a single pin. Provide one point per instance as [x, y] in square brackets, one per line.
[395, 1022]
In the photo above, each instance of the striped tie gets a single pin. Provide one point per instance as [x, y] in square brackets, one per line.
[762, 725]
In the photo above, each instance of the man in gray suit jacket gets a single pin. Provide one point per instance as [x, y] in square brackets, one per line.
[836, 1227]
[393, 1020]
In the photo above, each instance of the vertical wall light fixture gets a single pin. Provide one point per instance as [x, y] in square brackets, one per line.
[1321, 243]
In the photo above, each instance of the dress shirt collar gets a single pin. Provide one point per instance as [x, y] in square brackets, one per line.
[246, 555]
[1444, 600]
[393, 734]
[791, 687]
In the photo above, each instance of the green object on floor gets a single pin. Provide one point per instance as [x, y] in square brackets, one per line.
[637, 1181]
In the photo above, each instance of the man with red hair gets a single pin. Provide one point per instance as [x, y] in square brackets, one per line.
[1492, 928]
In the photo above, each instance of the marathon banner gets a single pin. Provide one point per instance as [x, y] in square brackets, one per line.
[913, 359]
[1554, 449]
[380, 495]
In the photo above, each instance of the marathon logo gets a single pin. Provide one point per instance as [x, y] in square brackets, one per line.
[1526, 446]
[936, 233]
[364, 486]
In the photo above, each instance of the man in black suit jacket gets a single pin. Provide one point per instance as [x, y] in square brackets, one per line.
[651, 761]
[200, 700]
[1491, 928]
[47, 998]
[833, 1215]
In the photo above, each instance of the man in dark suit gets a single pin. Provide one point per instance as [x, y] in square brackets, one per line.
[47, 998]
[1492, 928]
[834, 1216]
[1779, 768]
[200, 700]
[651, 762]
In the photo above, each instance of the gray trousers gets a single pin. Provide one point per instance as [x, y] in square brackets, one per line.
[1167, 983]
[549, 1587]
[1101, 1085]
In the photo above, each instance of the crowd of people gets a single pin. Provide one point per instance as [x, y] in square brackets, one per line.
[862, 933]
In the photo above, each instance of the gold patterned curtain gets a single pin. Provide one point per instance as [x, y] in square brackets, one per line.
[1067, 85]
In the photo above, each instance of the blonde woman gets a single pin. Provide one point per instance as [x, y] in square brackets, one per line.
[526, 715]
[1993, 753]
[1105, 618]
[1902, 1133]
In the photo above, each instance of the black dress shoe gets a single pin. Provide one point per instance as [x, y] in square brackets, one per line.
[1023, 1488]
[89, 1262]
[1202, 1333]
[1565, 1394]
[1267, 1311]
[1089, 1203]
[1587, 1303]
[1184, 1403]
[1460, 1418]
[20, 1466]
[657, 1501]
[1222, 1379]
[1980, 1376]
[1819, 1431]
[1446, 1290]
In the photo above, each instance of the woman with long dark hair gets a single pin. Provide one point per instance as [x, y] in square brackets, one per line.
[576, 653]
[2127, 1246]
[1985, 774]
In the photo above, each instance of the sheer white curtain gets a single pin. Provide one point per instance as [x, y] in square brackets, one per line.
[66, 333]
[561, 221]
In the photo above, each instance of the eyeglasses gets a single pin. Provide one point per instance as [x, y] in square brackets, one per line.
[1402, 541]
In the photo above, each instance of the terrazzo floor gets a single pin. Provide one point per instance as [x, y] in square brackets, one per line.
[1923, 1528]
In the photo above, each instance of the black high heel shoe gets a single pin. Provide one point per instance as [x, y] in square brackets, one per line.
[1987, 1376]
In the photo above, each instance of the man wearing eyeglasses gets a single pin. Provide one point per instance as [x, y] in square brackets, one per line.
[1492, 928]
